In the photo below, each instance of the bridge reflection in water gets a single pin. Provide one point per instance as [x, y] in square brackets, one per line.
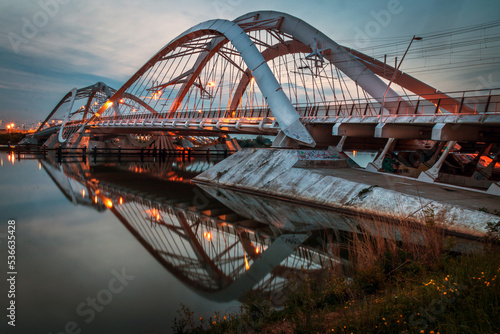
[220, 243]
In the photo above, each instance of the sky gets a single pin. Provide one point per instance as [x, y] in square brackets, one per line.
[47, 47]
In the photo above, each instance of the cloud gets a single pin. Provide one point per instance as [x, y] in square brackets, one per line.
[82, 42]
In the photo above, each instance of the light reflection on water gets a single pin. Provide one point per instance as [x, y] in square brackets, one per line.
[361, 158]
[66, 252]
[206, 248]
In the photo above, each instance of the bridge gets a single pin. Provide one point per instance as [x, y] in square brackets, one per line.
[273, 74]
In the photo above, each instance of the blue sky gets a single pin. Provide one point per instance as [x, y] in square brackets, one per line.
[47, 47]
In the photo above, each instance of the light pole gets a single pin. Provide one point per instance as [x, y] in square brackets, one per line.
[414, 38]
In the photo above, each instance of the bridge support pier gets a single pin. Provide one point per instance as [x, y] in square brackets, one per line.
[494, 189]
[75, 141]
[52, 141]
[432, 173]
[376, 165]
[340, 145]
[283, 141]
[485, 173]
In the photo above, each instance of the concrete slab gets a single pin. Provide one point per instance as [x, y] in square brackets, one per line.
[469, 198]
[271, 172]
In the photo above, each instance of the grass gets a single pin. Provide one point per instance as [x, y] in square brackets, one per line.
[412, 283]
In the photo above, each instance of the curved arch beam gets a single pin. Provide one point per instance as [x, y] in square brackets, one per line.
[71, 103]
[281, 107]
[81, 93]
[100, 86]
[274, 51]
[337, 55]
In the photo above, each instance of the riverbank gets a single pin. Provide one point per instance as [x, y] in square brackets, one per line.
[327, 178]
[11, 137]
[397, 293]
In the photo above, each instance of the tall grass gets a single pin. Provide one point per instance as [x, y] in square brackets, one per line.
[403, 277]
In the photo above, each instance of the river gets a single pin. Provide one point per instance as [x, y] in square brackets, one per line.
[116, 247]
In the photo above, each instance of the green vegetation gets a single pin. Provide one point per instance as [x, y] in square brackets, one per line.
[259, 141]
[398, 286]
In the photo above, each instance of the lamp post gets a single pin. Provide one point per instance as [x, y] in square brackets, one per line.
[414, 38]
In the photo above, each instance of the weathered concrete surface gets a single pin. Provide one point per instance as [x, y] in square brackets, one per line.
[284, 216]
[272, 172]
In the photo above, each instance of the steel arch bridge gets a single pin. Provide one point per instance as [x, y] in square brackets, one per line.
[271, 73]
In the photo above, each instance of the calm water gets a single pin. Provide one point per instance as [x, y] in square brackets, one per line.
[116, 248]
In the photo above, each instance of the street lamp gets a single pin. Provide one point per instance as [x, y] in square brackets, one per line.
[414, 38]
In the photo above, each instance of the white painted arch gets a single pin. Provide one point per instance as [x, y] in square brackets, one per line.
[281, 107]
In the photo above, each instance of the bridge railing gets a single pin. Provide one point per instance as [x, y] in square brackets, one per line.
[249, 113]
[456, 103]
[479, 102]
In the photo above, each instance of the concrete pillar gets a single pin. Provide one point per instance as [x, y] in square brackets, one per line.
[376, 165]
[485, 173]
[76, 139]
[52, 141]
[283, 141]
[494, 189]
[438, 146]
[340, 145]
[432, 174]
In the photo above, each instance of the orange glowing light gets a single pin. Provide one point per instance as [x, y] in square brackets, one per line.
[354, 153]
[39, 166]
[8, 126]
[95, 200]
[106, 106]
[108, 203]
[207, 235]
[211, 84]
[120, 200]
[121, 101]
[257, 251]
[158, 216]
[247, 265]
[157, 95]
[83, 193]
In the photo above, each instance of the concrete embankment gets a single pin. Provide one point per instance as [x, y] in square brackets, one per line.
[326, 178]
